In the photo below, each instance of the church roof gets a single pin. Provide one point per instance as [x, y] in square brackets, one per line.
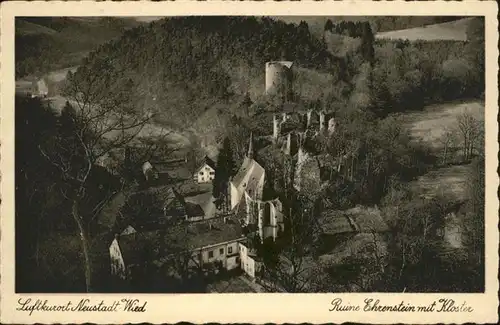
[249, 176]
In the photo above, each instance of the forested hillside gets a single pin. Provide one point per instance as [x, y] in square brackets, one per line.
[378, 23]
[48, 43]
[180, 67]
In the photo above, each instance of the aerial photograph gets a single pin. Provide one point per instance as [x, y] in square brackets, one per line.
[250, 154]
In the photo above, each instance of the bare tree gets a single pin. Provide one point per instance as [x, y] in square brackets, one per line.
[295, 270]
[448, 141]
[469, 129]
[102, 120]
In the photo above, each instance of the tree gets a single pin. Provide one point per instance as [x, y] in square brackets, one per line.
[294, 270]
[469, 129]
[367, 40]
[475, 216]
[102, 121]
[329, 25]
[447, 140]
[223, 171]
[475, 49]
[194, 154]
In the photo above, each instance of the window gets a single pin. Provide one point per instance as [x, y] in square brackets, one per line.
[221, 251]
[210, 254]
[212, 173]
[229, 250]
[201, 173]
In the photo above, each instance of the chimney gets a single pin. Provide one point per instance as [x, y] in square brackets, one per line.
[284, 117]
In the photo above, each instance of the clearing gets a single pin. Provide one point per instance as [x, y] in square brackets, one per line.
[447, 181]
[451, 31]
[430, 124]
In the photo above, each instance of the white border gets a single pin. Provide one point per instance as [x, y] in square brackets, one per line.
[252, 308]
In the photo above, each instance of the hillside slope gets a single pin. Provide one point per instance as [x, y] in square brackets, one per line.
[378, 23]
[452, 31]
[48, 43]
[180, 67]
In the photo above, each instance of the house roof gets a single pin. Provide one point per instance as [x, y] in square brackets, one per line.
[200, 234]
[368, 219]
[287, 64]
[248, 177]
[335, 223]
[206, 161]
[136, 247]
[201, 204]
[358, 219]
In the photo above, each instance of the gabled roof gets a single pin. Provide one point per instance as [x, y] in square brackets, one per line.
[287, 64]
[201, 204]
[206, 161]
[358, 219]
[248, 177]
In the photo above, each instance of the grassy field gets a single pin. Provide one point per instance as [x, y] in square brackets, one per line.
[447, 181]
[454, 31]
[430, 124]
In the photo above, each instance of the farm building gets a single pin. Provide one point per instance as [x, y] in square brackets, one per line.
[206, 172]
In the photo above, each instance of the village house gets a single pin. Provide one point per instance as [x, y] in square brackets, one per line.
[251, 263]
[32, 88]
[207, 245]
[206, 172]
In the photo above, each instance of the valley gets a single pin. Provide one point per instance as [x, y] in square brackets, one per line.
[280, 154]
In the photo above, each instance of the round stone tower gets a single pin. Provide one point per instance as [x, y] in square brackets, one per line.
[279, 78]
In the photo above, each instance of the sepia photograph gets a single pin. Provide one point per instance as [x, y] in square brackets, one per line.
[249, 162]
[249, 154]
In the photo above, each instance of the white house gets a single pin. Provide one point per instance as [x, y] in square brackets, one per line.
[206, 172]
[250, 262]
[32, 88]
[211, 244]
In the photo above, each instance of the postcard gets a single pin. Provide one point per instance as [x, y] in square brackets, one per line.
[249, 162]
